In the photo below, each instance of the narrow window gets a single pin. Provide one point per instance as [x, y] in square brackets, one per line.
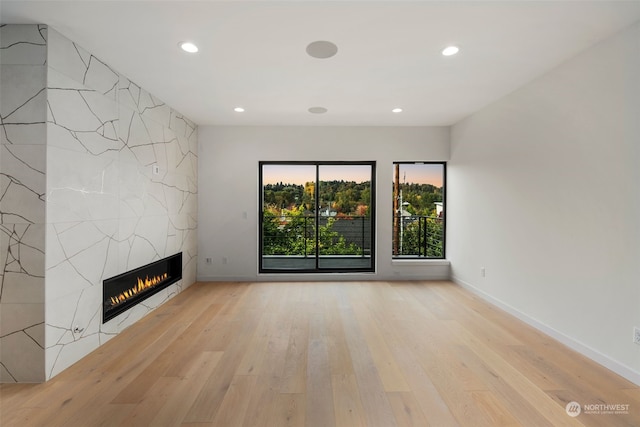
[419, 210]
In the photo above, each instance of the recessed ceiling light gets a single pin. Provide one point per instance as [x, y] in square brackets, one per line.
[239, 110]
[450, 50]
[322, 49]
[188, 47]
[397, 110]
[317, 110]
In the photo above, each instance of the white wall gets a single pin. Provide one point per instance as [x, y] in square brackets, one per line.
[544, 193]
[228, 189]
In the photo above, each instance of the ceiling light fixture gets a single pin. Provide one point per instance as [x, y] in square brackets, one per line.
[450, 50]
[397, 110]
[188, 47]
[322, 49]
[317, 110]
[239, 110]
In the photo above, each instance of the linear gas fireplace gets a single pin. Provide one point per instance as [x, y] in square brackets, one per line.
[122, 292]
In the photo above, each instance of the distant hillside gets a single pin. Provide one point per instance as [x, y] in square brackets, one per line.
[347, 197]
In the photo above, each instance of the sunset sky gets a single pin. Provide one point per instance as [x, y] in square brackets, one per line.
[301, 174]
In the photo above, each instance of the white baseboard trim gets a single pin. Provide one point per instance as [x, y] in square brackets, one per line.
[611, 364]
[323, 277]
[226, 279]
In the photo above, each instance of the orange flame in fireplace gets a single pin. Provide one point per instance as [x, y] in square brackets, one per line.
[139, 287]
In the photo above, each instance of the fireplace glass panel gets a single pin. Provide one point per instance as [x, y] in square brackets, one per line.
[124, 291]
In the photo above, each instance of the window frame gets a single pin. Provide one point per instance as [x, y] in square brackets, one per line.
[425, 258]
[317, 164]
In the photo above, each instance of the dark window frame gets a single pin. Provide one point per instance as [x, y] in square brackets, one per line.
[444, 219]
[318, 269]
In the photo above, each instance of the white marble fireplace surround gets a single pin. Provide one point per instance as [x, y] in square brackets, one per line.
[79, 199]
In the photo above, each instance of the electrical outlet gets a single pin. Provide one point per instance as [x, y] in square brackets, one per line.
[483, 272]
[225, 260]
[207, 260]
[636, 335]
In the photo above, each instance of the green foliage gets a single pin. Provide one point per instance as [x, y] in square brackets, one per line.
[294, 234]
[287, 231]
[424, 234]
[333, 243]
[421, 198]
[346, 197]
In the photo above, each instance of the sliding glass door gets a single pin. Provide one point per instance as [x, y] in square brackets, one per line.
[316, 217]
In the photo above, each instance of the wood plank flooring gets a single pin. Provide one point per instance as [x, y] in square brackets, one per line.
[325, 354]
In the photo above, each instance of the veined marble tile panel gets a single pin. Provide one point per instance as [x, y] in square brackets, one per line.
[145, 194]
[59, 316]
[26, 165]
[22, 184]
[136, 137]
[22, 358]
[61, 356]
[139, 194]
[142, 241]
[156, 202]
[190, 205]
[134, 183]
[81, 186]
[22, 253]
[181, 234]
[192, 184]
[189, 272]
[189, 202]
[81, 119]
[16, 134]
[172, 194]
[64, 280]
[128, 93]
[151, 108]
[183, 145]
[19, 204]
[22, 288]
[171, 150]
[28, 240]
[72, 60]
[135, 98]
[23, 44]
[23, 96]
[80, 257]
[181, 125]
[81, 110]
[106, 211]
[155, 129]
[186, 164]
[22, 317]
[165, 153]
[82, 309]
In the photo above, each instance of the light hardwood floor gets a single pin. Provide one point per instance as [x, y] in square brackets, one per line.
[325, 354]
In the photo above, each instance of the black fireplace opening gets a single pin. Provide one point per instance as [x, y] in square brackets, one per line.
[120, 293]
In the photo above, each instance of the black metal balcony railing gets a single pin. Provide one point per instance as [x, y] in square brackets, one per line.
[415, 236]
[418, 236]
[296, 235]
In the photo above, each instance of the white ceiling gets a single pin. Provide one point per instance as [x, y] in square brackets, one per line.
[252, 53]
